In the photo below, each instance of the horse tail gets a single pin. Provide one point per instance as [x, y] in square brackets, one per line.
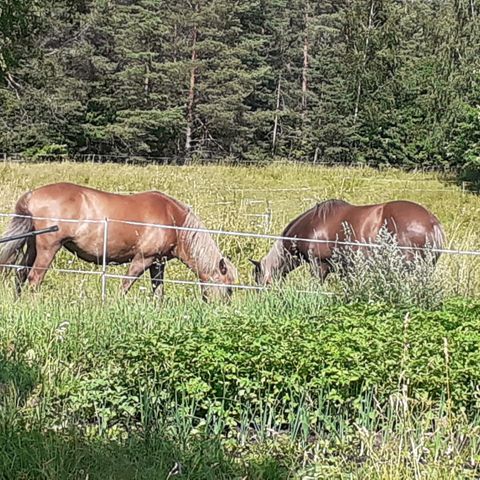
[438, 236]
[437, 239]
[11, 253]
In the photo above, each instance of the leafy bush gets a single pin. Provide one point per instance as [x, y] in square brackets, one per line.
[287, 374]
[53, 149]
[272, 360]
[385, 275]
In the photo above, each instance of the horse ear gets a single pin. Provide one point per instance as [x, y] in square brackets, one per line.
[223, 267]
[254, 262]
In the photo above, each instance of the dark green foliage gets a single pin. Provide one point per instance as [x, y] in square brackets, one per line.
[383, 82]
[17, 23]
[251, 360]
[24, 453]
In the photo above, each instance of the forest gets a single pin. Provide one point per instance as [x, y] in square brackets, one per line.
[384, 82]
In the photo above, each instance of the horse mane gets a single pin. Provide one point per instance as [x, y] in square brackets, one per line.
[324, 209]
[200, 245]
[327, 207]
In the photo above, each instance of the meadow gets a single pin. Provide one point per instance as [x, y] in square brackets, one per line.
[261, 200]
[282, 384]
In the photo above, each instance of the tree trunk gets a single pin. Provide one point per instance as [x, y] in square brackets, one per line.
[175, 42]
[146, 82]
[305, 61]
[364, 62]
[275, 123]
[191, 93]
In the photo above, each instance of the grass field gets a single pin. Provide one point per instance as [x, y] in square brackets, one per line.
[278, 385]
[263, 200]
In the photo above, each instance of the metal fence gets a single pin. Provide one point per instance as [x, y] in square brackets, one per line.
[104, 273]
[205, 157]
[214, 159]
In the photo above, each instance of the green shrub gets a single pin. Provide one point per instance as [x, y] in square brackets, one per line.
[269, 358]
[46, 151]
[383, 274]
[123, 384]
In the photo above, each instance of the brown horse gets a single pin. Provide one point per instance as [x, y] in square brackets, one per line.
[411, 224]
[144, 247]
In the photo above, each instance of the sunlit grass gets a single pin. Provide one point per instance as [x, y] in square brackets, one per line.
[54, 339]
[260, 200]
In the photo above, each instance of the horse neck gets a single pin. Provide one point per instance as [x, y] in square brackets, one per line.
[276, 262]
[197, 249]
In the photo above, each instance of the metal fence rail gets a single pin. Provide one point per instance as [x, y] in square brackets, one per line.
[29, 234]
[104, 274]
[205, 157]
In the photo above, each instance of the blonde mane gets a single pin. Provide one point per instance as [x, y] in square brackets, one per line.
[200, 246]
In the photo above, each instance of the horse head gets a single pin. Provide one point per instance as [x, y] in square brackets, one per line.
[261, 274]
[220, 280]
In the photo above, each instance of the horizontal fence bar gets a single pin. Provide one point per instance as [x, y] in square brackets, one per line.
[170, 281]
[213, 157]
[254, 235]
[34, 233]
[60, 270]
[223, 285]
[53, 219]
[191, 282]
[266, 191]
[297, 239]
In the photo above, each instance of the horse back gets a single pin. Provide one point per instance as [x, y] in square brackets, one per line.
[68, 200]
[411, 223]
[323, 222]
[61, 202]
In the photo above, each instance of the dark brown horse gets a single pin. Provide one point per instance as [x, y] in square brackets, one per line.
[144, 247]
[411, 224]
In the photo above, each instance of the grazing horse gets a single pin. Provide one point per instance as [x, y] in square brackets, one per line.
[411, 224]
[143, 246]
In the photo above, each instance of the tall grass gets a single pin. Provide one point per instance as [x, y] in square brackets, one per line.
[235, 198]
[280, 384]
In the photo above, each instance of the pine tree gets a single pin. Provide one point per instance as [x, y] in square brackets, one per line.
[376, 81]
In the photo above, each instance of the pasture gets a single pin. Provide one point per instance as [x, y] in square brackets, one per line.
[282, 384]
[259, 200]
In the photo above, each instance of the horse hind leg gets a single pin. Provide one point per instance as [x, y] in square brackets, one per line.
[45, 253]
[27, 261]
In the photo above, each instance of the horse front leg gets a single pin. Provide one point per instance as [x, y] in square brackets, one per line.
[136, 269]
[157, 272]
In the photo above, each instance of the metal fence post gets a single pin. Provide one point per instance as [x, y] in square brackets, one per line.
[269, 220]
[104, 259]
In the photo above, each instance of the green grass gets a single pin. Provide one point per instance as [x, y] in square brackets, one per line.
[231, 197]
[274, 385]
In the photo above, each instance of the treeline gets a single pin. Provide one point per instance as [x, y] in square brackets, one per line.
[383, 81]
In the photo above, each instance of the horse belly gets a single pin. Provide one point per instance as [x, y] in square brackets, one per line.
[93, 253]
